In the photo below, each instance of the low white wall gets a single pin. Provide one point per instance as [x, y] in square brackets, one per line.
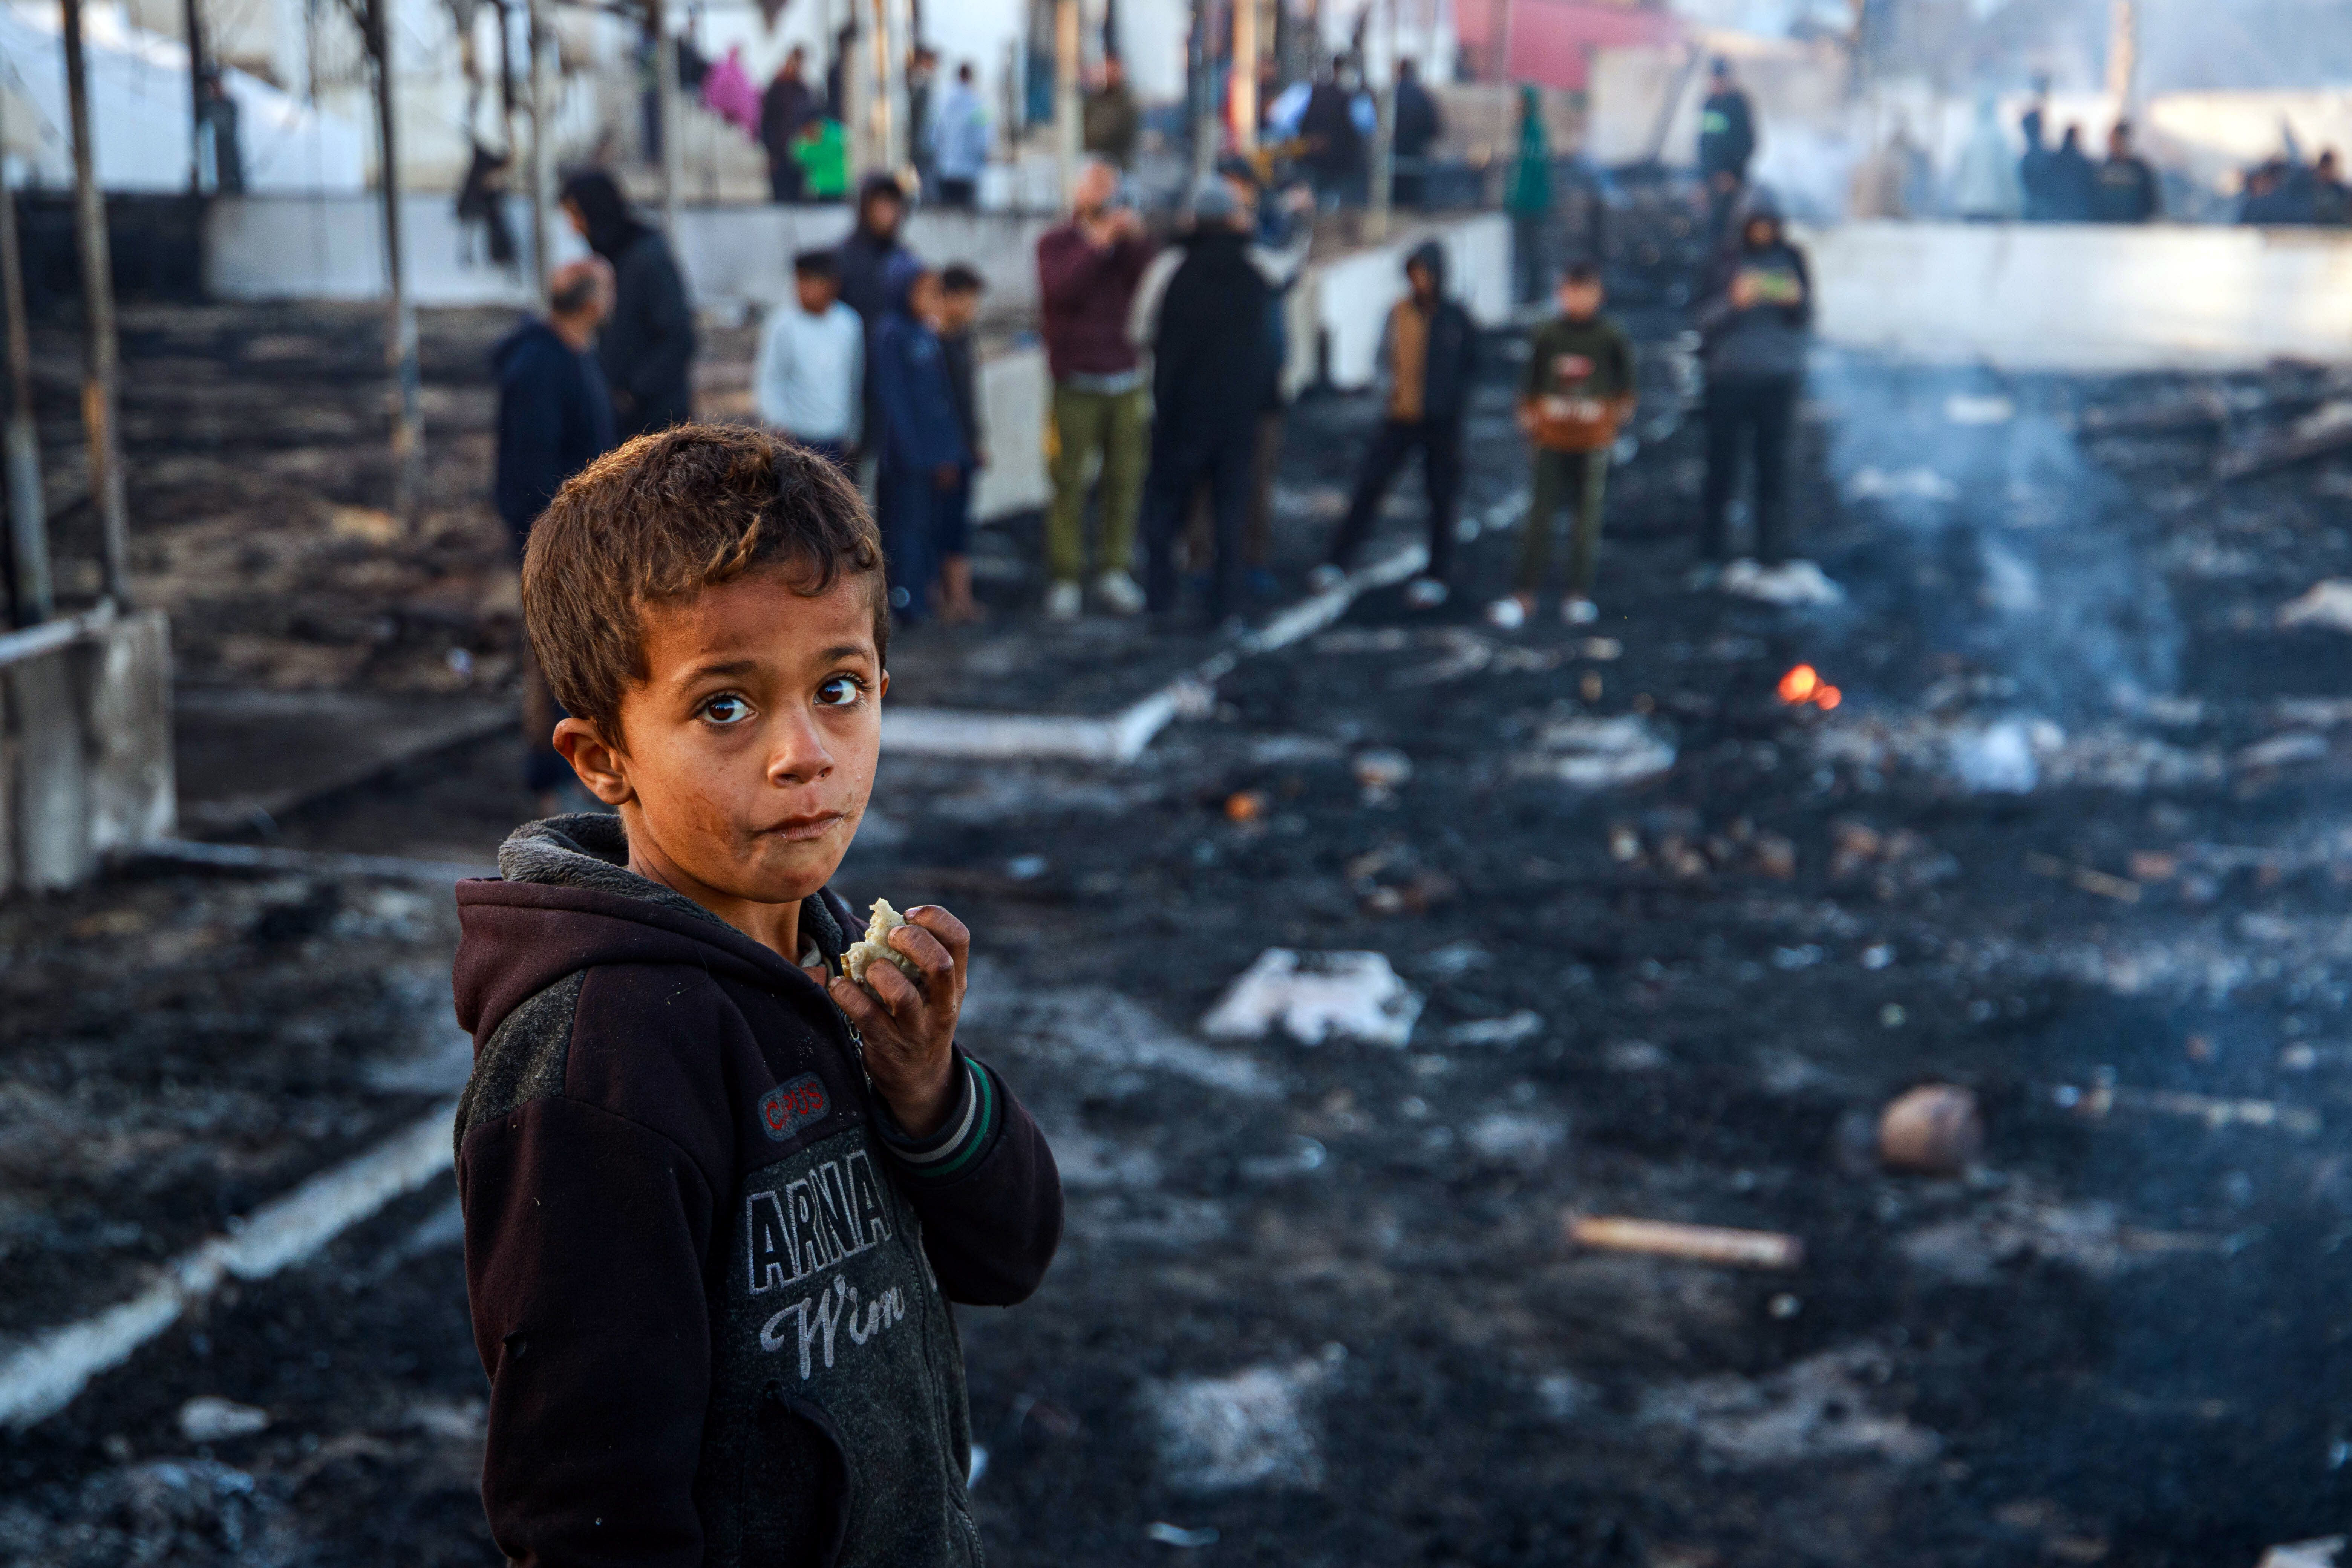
[2096, 297]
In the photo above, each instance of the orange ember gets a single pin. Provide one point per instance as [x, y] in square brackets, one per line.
[1804, 685]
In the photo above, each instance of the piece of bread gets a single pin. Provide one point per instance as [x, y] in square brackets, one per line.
[875, 944]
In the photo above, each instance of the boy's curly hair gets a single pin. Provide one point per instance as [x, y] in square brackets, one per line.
[662, 518]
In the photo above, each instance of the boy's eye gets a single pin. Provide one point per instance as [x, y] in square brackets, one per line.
[840, 691]
[726, 709]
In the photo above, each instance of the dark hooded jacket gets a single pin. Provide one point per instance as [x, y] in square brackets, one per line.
[1212, 358]
[1768, 340]
[648, 347]
[1450, 360]
[708, 1277]
[921, 430]
[866, 259]
[554, 419]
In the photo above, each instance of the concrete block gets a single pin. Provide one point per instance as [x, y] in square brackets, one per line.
[85, 746]
[53, 846]
[128, 733]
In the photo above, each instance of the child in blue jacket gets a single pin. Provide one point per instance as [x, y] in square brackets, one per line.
[923, 456]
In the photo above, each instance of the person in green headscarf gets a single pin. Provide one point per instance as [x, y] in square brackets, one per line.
[1528, 201]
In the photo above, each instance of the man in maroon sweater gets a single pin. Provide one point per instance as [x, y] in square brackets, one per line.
[1087, 272]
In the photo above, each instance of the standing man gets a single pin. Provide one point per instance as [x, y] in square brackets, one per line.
[1726, 142]
[554, 419]
[865, 257]
[2036, 170]
[2126, 189]
[960, 141]
[1335, 147]
[648, 347]
[1418, 126]
[1431, 352]
[1109, 123]
[1087, 271]
[1211, 353]
[2074, 179]
[921, 72]
[1755, 331]
[783, 108]
[1529, 204]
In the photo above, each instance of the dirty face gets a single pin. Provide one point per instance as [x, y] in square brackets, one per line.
[750, 745]
[816, 295]
[1579, 301]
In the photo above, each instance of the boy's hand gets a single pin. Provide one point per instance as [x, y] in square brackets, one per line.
[909, 1029]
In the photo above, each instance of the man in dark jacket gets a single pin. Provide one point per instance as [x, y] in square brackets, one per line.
[1726, 142]
[2034, 171]
[1210, 357]
[785, 107]
[1756, 330]
[1431, 351]
[1418, 125]
[873, 249]
[648, 347]
[1110, 123]
[1335, 146]
[2126, 189]
[2072, 179]
[554, 419]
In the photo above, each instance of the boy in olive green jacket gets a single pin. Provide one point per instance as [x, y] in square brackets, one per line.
[1577, 389]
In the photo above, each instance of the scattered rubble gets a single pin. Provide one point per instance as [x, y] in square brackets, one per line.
[1825, 1406]
[1254, 1428]
[1791, 583]
[1697, 1243]
[1316, 996]
[1934, 1130]
[211, 1419]
[2326, 605]
[1597, 753]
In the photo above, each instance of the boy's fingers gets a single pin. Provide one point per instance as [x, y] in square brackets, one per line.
[953, 934]
[855, 1006]
[925, 949]
[899, 997]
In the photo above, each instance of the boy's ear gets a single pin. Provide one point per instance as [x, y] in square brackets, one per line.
[602, 767]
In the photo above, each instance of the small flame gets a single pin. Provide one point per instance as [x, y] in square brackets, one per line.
[1804, 685]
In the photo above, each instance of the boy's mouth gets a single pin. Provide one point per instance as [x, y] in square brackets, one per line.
[799, 829]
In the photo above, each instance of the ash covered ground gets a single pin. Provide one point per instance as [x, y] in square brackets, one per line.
[2074, 838]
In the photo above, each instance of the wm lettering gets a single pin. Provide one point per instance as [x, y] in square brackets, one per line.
[813, 1221]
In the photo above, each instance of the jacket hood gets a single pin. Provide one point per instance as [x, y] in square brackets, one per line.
[1430, 254]
[564, 900]
[613, 229]
[898, 282]
[529, 334]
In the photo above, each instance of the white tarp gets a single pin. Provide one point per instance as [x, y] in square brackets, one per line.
[140, 112]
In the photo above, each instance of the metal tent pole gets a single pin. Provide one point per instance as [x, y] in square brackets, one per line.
[543, 89]
[1066, 138]
[400, 324]
[665, 116]
[28, 529]
[102, 353]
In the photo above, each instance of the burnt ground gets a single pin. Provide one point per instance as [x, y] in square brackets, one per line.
[2074, 838]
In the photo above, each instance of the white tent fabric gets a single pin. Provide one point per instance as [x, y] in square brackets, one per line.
[140, 112]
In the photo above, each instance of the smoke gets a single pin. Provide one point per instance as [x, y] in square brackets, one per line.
[1995, 541]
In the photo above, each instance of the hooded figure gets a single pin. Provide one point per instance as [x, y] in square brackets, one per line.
[1528, 201]
[1756, 328]
[2072, 179]
[920, 446]
[1429, 352]
[648, 347]
[1212, 356]
[2036, 171]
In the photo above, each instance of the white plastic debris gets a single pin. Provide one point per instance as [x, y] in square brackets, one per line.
[1514, 1137]
[2324, 1553]
[1596, 753]
[1168, 1534]
[1901, 484]
[2285, 750]
[1976, 408]
[1996, 760]
[979, 1466]
[1251, 1428]
[2327, 605]
[209, 1419]
[1791, 582]
[1313, 997]
[1508, 1030]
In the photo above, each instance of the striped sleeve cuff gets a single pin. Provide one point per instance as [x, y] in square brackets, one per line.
[970, 1131]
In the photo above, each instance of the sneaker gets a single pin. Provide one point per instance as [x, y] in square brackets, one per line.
[1064, 601]
[1425, 593]
[1579, 612]
[1325, 578]
[1507, 613]
[1118, 591]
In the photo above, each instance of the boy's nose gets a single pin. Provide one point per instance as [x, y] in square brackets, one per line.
[801, 756]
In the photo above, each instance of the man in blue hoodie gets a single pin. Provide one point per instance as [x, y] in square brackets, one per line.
[922, 454]
[555, 417]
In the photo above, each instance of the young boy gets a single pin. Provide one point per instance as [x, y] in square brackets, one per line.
[1577, 389]
[959, 291]
[810, 383]
[716, 1194]
[923, 457]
